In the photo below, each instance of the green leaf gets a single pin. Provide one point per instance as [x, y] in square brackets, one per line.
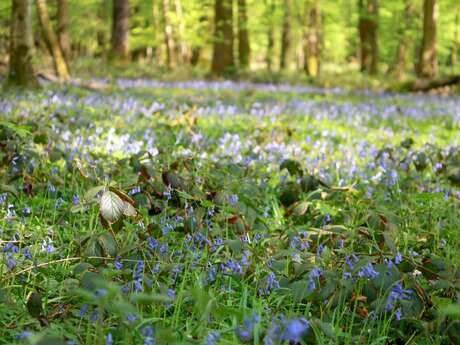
[92, 192]
[147, 299]
[34, 304]
[50, 340]
[292, 166]
[108, 244]
[327, 328]
[9, 188]
[451, 310]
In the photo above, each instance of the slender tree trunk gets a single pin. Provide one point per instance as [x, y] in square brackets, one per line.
[312, 54]
[404, 40]
[183, 48]
[243, 35]
[454, 54]
[270, 35]
[168, 33]
[223, 58]
[196, 49]
[368, 34]
[285, 35]
[21, 72]
[428, 62]
[120, 29]
[52, 42]
[62, 31]
[101, 35]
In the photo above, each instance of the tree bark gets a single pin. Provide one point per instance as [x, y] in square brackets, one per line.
[285, 35]
[101, 35]
[62, 31]
[404, 40]
[368, 34]
[270, 35]
[120, 29]
[223, 58]
[183, 48]
[312, 44]
[243, 35]
[454, 53]
[428, 62]
[168, 34]
[52, 42]
[21, 72]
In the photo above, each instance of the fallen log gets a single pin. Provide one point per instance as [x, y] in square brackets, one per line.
[425, 85]
[91, 85]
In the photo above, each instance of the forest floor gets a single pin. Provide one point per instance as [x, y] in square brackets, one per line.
[228, 213]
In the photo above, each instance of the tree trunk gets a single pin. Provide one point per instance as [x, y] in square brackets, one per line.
[168, 34]
[223, 57]
[428, 62]
[285, 35]
[368, 34]
[120, 29]
[312, 45]
[454, 53]
[52, 42]
[21, 72]
[183, 48]
[243, 35]
[62, 31]
[102, 16]
[270, 35]
[404, 40]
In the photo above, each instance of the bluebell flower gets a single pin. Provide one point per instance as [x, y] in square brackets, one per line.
[83, 310]
[211, 275]
[134, 191]
[346, 275]
[212, 338]
[47, 246]
[23, 335]
[398, 314]
[26, 211]
[320, 250]
[246, 330]
[314, 274]
[109, 339]
[26, 253]
[131, 317]
[101, 292]
[75, 200]
[368, 271]
[94, 316]
[148, 334]
[118, 264]
[273, 334]
[164, 248]
[10, 261]
[3, 198]
[152, 243]
[398, 293]
[59, 202]
[398, 258]
[156, 268]
[51, 188]
[234, 199]
[295, 330]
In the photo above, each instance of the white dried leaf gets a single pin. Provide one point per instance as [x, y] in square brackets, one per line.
[129, 210]
[112, 207]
